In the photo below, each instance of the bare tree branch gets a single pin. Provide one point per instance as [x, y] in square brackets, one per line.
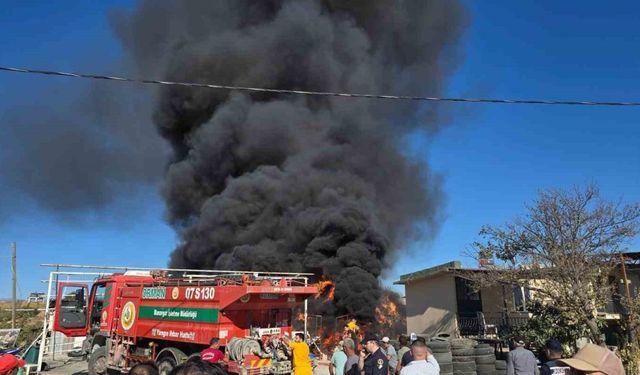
[569, 239]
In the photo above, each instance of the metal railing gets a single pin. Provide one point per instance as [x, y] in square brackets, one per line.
[471, 325]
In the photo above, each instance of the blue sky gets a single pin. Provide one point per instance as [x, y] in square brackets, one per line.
[493, 158]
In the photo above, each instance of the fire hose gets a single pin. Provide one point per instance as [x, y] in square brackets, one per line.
[237, 348]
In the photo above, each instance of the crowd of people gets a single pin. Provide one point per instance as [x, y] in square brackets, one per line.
[590, 359]
[379, 357]
[376, 356]
[373, 356]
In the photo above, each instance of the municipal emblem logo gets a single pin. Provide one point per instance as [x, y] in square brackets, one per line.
[245, 298]
[175, 293]
[103, 317]
[128, 316]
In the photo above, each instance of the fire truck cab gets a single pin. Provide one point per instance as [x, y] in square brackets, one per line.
[168, 316]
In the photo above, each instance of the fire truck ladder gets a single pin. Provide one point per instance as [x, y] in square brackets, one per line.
[119, 345]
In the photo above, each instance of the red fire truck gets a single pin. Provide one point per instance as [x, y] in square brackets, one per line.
[167, 317]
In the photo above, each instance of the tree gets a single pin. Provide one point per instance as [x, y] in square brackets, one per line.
[563, 249]
[549, 322]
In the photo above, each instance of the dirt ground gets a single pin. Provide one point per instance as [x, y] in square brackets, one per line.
[79, 367]
[72, 367]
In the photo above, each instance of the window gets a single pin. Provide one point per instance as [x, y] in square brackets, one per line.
[521, 295]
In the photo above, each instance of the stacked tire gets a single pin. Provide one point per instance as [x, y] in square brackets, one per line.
[442, 352]
[463, 357]
[501, 367]
[485, 360]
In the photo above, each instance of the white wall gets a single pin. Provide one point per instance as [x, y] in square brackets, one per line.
[431, 305]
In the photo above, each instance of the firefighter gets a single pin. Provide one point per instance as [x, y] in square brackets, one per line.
[300, 349]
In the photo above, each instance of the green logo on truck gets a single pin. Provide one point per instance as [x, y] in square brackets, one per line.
[188, 314]
[154, 293]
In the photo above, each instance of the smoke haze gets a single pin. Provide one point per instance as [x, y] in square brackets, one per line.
[262, 181]
[287, 183]
[78, 148]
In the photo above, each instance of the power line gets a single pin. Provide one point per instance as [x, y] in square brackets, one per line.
[316, 93]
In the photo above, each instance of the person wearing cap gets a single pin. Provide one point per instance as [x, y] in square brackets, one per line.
[595, 360]
[391, 353]
[553, 352]
[521, 361]
[423, 362]
[375, 362]
[9, 364]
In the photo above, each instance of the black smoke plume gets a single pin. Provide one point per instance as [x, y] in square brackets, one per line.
[293, 183]
[72, 149]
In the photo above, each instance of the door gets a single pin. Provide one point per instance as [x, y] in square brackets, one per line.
[71, 309]
[469, 303]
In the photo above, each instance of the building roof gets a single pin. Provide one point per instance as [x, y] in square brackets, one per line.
[457, 266]
[632, 255]
[429, 272]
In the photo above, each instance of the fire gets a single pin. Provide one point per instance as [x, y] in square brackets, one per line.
[326, 287]
[387, 314]
[331, 340]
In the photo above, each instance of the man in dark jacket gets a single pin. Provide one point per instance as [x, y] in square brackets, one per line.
[553, 350]
[372, 360]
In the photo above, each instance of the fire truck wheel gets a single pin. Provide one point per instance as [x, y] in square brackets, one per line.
[166, 364]
[98, 362]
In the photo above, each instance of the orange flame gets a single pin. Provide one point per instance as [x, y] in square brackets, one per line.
[326, 287]
[387, 313]
[331, 340]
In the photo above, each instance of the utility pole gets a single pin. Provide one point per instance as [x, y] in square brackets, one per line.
[13, 286]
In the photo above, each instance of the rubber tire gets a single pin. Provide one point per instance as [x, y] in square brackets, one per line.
[486, 369]
[166, 364]
[446, 367]
[462, 343]
[443, 357]
[438, 344]
[97, 354]
[464, 359]
[439, 350]
[464, 372]
[467, 352]
[501, 365]
[488, 359]
[484, 346]
[500, 372]
[482, 351]
[464, 366]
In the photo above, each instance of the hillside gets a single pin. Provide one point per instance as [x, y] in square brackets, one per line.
[29, 321]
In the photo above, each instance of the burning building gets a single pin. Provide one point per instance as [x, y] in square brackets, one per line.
[266, 181]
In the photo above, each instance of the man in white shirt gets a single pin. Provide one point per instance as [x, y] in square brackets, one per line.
[423, 362]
